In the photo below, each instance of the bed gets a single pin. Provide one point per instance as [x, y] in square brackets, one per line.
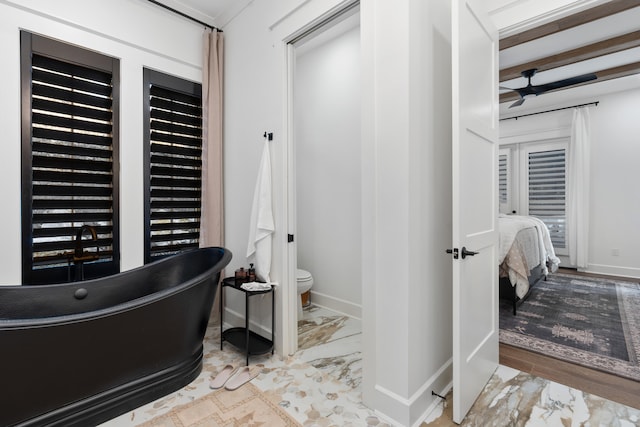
[525, 257]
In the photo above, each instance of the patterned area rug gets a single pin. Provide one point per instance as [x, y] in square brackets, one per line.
[589, 321]
[246, 406]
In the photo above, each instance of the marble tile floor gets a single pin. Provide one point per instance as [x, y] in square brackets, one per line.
[331, 343]
[517, 399]
[320, 386]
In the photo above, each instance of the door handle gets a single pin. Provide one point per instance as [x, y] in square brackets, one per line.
[465, 253]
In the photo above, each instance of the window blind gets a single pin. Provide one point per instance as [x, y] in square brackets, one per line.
[175, 150]
[547, 192]
[502, 178]
[72, 158]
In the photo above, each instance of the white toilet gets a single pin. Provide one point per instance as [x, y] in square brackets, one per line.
[304, 281]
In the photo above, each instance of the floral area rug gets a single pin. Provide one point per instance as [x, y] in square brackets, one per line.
[590, 321]
[245, 406]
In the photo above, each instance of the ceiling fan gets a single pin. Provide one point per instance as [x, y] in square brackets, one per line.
[536, 90]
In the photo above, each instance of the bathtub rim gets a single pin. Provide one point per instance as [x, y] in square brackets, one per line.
[36, 322]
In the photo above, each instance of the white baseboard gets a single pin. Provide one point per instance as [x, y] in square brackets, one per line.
[401, 411]
[613, 270]
[336, 304]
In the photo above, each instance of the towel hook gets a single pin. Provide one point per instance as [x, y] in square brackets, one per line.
[269, 136]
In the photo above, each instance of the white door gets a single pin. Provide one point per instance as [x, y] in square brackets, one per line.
[475, 202]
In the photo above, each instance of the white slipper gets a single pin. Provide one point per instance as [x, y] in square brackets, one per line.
[241, 377]
[222, 377]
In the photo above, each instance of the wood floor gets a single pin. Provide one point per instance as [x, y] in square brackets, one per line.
[592, 381]
[600, 383]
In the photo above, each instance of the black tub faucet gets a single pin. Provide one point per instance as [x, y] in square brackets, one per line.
[79, 252]
[79, 255]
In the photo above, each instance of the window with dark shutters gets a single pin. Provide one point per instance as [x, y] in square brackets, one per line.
[69, 179]
[173, 170]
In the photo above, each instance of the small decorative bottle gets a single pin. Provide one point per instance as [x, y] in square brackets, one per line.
[241, 275]
[252, 273]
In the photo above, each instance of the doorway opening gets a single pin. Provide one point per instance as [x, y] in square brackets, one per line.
[326, 193]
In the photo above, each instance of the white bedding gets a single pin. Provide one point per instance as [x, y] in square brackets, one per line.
[516, 254]
[509, 225]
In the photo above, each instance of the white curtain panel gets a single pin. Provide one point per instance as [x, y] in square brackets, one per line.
[578, 189]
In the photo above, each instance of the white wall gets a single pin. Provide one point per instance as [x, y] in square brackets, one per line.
[614, 194]
[407, 196]
[131, 30]
[406, 184]
[253, 88]
[328, 185]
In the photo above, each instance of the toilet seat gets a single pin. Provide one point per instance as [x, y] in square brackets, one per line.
[303, 275]
[304, 282]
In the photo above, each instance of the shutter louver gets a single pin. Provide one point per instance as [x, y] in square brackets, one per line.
[175, 171]
[72, 159]
[502, 178]
[547, 192]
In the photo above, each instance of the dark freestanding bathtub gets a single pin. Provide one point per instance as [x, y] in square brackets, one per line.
[80, 353]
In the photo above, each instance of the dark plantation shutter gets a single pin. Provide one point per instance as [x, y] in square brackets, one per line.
[547, 192]
[174, 166]
[70, 182]
[72, 160]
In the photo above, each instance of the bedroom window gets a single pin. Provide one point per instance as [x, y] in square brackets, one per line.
[532, 181]
[173, 165]
[69, 161]
[502, 178]
[505, 181]
[547, 192]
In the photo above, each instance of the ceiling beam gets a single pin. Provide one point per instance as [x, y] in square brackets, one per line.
[605, 47]
[603, 75]
[588, 15]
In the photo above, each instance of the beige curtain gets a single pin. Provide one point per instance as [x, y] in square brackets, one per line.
[212, 209]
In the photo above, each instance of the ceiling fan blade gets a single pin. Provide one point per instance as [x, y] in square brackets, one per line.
[517, 103]
[564, 83]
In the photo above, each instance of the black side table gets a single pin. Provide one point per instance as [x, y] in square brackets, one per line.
[242, 337]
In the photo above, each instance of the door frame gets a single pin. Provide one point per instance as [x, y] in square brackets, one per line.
[289, 299]
[290, 311]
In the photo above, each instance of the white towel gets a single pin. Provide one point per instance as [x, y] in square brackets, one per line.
[256, 286]
[262, 225]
